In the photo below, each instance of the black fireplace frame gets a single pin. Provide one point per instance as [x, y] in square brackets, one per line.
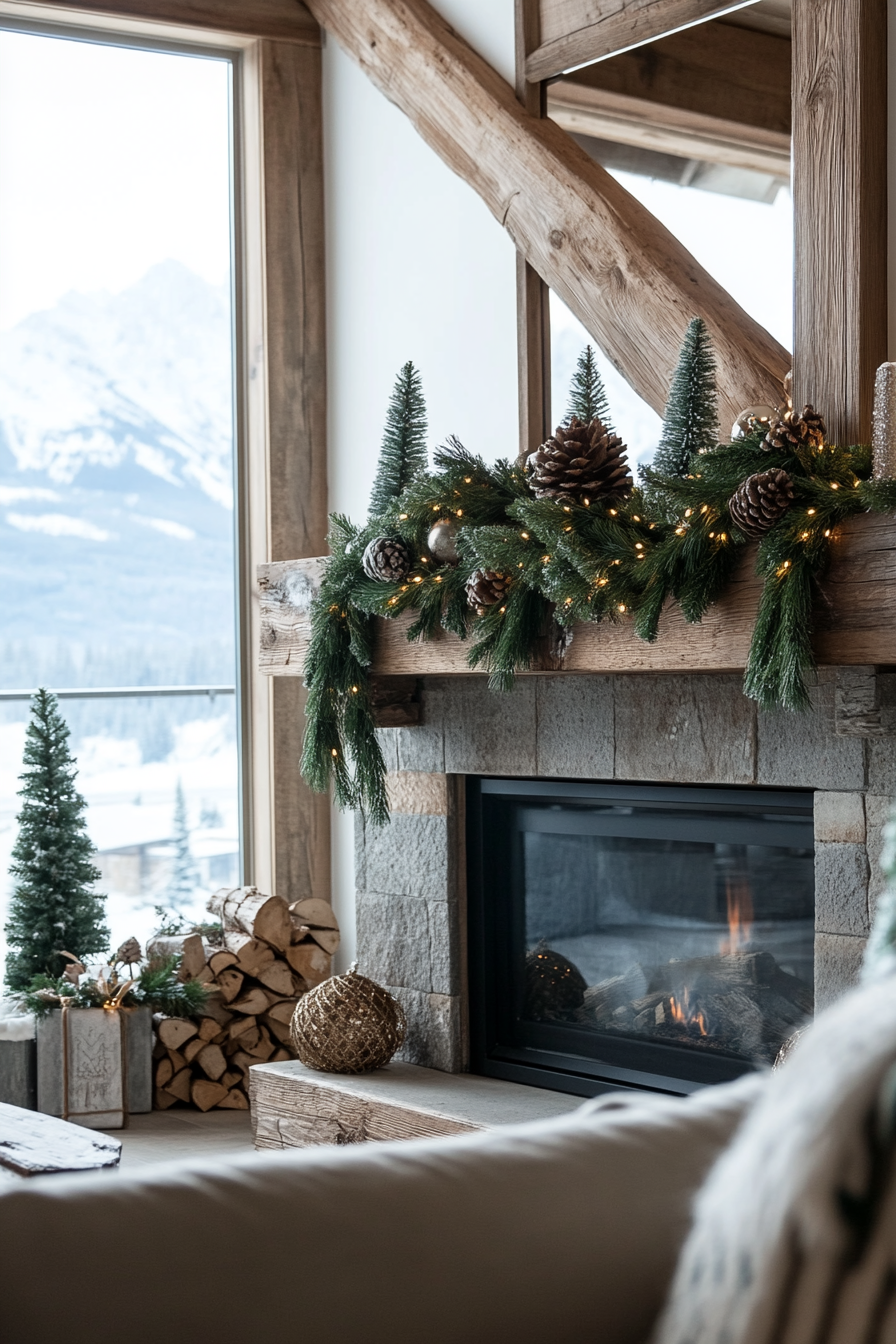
[539, 1054]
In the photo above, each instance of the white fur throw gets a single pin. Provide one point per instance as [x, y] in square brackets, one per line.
[794, 1238]
[15, 1025]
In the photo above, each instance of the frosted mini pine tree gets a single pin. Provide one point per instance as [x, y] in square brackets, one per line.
[691, 421]
[587, 396]
[403, 453]
[53, 908]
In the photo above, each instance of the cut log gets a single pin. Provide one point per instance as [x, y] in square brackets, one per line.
[213, 1007]
[279, 1056]
[175, 1031]
[209, 1029]
[315, 913]
[230, 983]
[262, 1049]
[278, 1029]
[162, 1100]
[180, 1085]
[251, 954]
[193, 1048]
[242, 1061]
[310, 962]
[219, 961]
[231, 1078]
[328, 939]
[212, 1062]
[206, 1094]
[206, 976]
[282, 1011]
[193, 958]
[164, 1072]
[279, 978]
[256, 1001]
[249, 909]
[240, 1026]
[236, 1100]
[248, 1039]
[177, 1060]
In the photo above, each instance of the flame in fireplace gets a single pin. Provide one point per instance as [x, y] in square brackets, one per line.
[740, 918]
[685, 1015]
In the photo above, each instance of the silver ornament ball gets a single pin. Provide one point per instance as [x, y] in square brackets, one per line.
[753, 418]
[441, 542]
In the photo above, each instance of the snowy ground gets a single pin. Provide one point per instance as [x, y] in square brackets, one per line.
[131, 803]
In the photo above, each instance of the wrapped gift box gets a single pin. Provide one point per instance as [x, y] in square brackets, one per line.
[95, 1068]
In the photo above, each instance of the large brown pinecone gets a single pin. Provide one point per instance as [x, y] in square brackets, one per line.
[760, 501]
[485, 588]
[387, 560]
[792, 430]
[580, 462]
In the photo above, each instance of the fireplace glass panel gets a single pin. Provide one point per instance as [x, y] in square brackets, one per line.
[667, 929]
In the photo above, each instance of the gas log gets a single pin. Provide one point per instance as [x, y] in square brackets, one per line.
[273, 953]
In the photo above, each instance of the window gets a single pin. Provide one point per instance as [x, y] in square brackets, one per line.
[117, 539]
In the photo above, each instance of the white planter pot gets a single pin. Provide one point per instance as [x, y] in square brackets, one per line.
[95, 1067]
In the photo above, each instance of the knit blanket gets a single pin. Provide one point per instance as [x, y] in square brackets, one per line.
[794, 1235]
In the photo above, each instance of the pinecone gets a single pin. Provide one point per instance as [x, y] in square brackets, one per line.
[387, 560]
[485, 588]
[760, 501]
[792, 430]
[580, 462]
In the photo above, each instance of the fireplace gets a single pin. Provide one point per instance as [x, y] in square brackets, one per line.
[636, 935]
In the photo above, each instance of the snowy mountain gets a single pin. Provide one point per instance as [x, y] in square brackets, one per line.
[116, 465]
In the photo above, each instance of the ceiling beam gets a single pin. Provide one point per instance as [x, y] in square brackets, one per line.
[630, 282]
[575, 32]
[286, 20]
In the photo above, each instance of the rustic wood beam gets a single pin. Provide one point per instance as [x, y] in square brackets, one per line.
[717, 71]
[285, 20]
[574, 32]
[533, 313]
[839, 197]
[625, 276]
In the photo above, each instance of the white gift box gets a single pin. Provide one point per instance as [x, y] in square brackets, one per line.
[94, 1066]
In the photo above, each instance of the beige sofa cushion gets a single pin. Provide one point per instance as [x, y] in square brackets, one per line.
[795, 1234]
[564, 1230]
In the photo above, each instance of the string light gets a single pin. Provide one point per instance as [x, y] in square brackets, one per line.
[354, 690]
[828, 532]
[438, 578]
[612, 513]
[525, 536]
[834, 485]
[402, 517]
[621, 607]
[418, 578]
[636, 518]
[639, 545]
[333, 751]
[545, 559]
[680, 531]
[810, 512]
[688, 512]
[804, 536]
[460, 513]
[712, 536]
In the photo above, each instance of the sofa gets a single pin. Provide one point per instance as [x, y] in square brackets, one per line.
[611, 1224]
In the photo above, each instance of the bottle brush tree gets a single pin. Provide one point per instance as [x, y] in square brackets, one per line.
[54, 907]
[691, 421]
[587, 397]
[403, 454]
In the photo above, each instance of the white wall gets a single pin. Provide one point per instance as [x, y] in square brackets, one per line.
[417, 269]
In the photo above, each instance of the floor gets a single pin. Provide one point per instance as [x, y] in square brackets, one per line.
[166, 1136]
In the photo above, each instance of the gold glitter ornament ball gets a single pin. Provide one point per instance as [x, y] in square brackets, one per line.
[348, 1024]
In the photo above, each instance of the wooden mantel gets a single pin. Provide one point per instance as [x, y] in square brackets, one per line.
[855, 624]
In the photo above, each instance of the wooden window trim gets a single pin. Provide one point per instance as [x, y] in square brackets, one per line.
[280, 367]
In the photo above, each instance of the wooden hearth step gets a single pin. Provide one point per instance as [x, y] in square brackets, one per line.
[295, 1107]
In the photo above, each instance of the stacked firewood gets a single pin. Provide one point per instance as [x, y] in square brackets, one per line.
[271, 954]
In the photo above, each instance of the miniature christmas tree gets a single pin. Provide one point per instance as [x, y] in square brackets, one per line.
[182, 887]
[691, 420]
[403, 453]
[54, 908]
[587, 397]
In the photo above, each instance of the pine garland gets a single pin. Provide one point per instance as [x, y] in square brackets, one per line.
[604, 560]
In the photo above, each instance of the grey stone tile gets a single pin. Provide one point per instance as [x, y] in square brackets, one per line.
[575, 727]
[841, 889]
[838, 965]
[435, 1034]
[423, 748]
[388, 740]
[803, 751]
[411, 943]
[691, 730]
[487, 732]
[878, 808]
[408, 857]
[840, 817]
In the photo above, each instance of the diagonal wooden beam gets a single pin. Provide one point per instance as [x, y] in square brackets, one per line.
[573, 32]
[625, 276]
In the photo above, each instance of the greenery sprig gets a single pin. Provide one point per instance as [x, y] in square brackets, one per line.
[592, 560]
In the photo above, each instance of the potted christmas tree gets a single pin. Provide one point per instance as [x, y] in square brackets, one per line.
[94, 1032]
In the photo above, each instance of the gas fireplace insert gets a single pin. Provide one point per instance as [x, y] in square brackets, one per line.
[636, 935]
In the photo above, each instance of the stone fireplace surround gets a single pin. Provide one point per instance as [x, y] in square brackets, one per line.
[684, 729]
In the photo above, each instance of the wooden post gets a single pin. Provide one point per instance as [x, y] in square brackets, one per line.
[295, 301]
[839, 196]
[533, 311]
